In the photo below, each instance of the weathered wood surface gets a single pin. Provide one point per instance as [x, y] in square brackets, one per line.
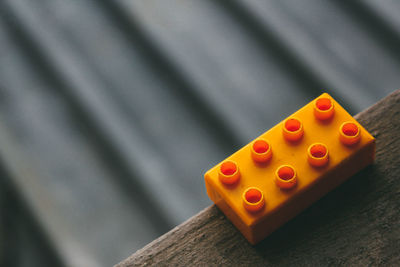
[356, 224]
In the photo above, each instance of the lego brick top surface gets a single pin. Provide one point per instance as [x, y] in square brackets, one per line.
[283, 153]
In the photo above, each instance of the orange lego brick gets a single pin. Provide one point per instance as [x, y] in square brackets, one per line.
[286, 169]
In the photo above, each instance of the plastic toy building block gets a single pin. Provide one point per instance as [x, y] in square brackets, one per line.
[286, 169]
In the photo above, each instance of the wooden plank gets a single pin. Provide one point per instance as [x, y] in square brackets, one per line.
[358, 223]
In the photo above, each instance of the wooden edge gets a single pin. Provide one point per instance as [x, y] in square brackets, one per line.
[209, 239]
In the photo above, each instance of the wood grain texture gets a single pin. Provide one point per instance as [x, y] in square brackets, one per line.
[356, 224]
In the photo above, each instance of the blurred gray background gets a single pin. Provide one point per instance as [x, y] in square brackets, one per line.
[111, 111]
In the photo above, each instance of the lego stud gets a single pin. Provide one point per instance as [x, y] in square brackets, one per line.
[292, 129]
[285, 177]
[323, 108]
[318, 155]
[253, 199]
[261, 151]
[229, 172]
[349, 133]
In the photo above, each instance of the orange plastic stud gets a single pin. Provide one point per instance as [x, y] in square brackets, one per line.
[261, 151]
[323, 108]
[285, 177]
[253, 199]
[229, 172]
[318, 155]
[349, 133]
[292, 129]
